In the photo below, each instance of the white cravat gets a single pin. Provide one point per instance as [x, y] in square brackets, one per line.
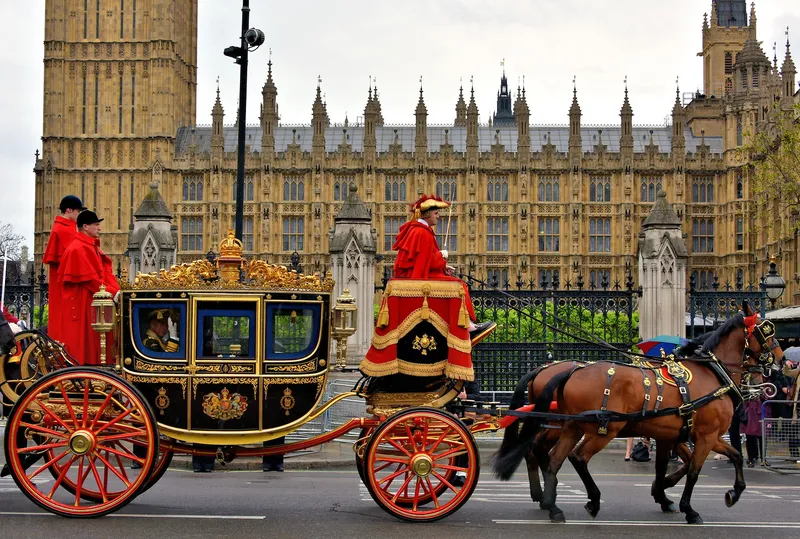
[423, 221]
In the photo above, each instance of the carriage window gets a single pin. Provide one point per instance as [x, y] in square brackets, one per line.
[226, 333]
[293, 330]
[159, 329]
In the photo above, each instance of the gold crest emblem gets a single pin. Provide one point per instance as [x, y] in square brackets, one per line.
[162, 401]
[224, 406]
[287, 401]
[424, 344]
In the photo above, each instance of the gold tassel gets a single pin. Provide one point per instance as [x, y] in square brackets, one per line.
[383, 315]
[426, 312]
[463, 315]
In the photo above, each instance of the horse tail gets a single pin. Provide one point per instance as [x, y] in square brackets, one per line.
[517, 441]
[518, 398]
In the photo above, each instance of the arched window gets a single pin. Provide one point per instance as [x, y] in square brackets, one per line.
[497, 189]
[293, 188]
[395, 189]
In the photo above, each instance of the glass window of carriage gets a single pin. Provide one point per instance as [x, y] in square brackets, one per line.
[293, 330]
[151, 321]
[226, 333]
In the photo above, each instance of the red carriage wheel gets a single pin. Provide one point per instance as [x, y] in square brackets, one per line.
[85, 423]
[410, 462]
[160, 468]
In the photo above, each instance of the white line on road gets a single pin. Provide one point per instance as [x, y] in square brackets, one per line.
[749, 487]
[647, 523]
[135, 515]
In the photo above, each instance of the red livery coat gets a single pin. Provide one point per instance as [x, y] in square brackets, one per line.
[84, 267]
[63, 232]
[418, 260]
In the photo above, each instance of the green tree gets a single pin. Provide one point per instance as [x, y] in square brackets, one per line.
[774, 156]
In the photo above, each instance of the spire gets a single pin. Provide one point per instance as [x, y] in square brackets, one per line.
[752, 26]
[461, 109]
[472, 108]
[705, 21]
[421, 109]
[472, 121]
[714, 14]
[788, 63]
[370, 121]
[217, 104]
[319, 115]
[678, 119]
[217, 114]
[575, 109]
[377, 100]
[626, 105]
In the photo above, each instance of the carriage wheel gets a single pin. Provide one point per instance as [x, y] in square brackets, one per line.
[14, 379]
[360, 450]
[411, 459]
[160, 468]
[85, 422]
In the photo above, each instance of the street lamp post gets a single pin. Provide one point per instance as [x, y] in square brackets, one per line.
[250, 40]
[773, 283]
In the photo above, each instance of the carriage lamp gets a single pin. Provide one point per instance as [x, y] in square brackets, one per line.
[103, 317]
[344, 325]
[773, 283]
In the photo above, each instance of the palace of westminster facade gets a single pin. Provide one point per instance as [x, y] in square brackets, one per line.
[530, 202]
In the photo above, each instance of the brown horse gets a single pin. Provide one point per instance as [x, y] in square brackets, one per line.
[538, 457]
[737, 346]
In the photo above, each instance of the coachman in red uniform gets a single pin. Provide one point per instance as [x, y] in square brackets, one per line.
[424, 291]
[63, 232]
[84, 267]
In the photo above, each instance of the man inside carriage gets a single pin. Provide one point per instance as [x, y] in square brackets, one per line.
[426, 324]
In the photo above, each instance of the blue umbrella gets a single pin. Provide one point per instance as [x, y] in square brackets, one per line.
[667, 343]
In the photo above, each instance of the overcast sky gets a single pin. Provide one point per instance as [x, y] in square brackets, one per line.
[346, 41]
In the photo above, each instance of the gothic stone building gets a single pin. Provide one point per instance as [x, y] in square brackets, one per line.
[531, 202]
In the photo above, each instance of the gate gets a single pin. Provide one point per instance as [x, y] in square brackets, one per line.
[781, 436]
[26, 296]
[710, 307]
[522, 342]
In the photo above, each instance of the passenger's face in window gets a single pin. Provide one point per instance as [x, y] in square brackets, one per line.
[159, 327]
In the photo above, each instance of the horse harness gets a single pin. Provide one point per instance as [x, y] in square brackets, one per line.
[681, 377]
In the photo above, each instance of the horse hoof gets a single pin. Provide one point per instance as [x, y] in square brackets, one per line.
[731, 498]
[557, 516]
[591, 509]
[669, 508]
[694, 519]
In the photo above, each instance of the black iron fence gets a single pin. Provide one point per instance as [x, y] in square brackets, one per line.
[541, 322]
[710, 307]
[26, 295]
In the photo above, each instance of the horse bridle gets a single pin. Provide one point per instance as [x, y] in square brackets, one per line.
[763, 332]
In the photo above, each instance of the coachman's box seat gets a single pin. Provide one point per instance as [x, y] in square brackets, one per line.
[422, 331]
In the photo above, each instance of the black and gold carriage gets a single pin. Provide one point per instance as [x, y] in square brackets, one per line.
[215, 359]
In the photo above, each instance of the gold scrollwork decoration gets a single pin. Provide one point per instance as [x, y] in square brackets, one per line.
[158, 380]
[214, 380]
[149, 367]
[309, 366]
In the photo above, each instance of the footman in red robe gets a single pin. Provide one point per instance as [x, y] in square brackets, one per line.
[424, 290]
[63, 232]
[84, 267]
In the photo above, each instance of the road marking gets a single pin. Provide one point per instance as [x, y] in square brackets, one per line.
[142, 515]
[749, 487]
[648, 523]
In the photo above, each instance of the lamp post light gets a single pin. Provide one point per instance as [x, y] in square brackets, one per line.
[102, 317]
[773, 283]
[251, 39]
[345, 323]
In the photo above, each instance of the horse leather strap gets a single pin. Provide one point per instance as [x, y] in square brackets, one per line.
[602, 430]
[646, 384]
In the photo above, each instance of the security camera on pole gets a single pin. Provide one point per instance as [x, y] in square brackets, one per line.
[251, 39]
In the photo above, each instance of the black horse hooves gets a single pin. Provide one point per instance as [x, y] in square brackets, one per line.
[592, 509]
[694, 519]
[669, 508]
[557, 516]
[731, 497]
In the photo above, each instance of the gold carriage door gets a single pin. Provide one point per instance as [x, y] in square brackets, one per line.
[224, 371]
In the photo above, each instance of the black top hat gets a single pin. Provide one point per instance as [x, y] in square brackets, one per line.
[88, 217]
[71, 202]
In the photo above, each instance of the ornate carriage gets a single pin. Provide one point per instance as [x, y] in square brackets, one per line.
[214, 359]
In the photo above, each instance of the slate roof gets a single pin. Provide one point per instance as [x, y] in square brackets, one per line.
[457, 136]
[153, 206]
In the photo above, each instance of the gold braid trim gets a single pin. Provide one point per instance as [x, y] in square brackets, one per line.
[415, 288]
[382, 341]
[457, 372]
[379, 369]
[418, 369]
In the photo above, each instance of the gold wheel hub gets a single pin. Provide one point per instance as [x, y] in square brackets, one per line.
[81, 442]
[422, 465]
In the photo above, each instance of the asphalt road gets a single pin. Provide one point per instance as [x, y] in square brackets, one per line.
[333, 503]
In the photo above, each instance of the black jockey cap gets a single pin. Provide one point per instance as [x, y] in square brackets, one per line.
[71, 202]
[88, 217]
